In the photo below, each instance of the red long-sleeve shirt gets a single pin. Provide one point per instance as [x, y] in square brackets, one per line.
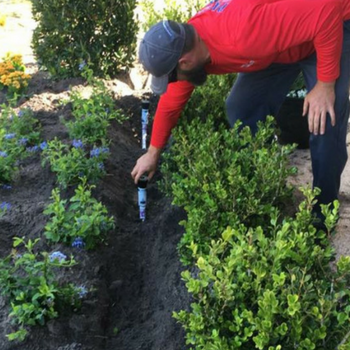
[249, 35]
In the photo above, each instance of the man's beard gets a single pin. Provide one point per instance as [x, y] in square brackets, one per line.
[197, 76]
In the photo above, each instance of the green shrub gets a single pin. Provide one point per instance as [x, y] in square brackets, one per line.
[28, 279]
[224, 177]
[269, 288]
[172, 10]
[210, 99]
[70, 32]
[84, 218]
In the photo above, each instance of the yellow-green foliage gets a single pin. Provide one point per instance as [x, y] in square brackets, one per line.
[173, 10]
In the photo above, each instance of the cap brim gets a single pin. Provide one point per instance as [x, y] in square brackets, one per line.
[159, 85]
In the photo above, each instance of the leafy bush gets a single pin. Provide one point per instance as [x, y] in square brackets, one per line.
[224, 177]
[84, 219]
[172, 10]
[29, 280]
[12, 74]
[209, 100]
[100, 32]
[270, 288]
[70, 163]
[18, 138]
[92, 116]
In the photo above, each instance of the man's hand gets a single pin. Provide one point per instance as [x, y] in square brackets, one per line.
[146, 164]
[318, 102]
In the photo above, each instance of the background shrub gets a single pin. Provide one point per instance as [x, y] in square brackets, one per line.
[173, 10]
[70, 32]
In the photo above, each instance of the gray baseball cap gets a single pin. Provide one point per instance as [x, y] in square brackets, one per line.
[160, 50]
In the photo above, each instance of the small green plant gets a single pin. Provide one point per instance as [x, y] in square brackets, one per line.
[83, 218]
[270, 288]
[92, 116]
[7, 167]
[28, 279]
[19, 135]
[4, 207]
[71, 162]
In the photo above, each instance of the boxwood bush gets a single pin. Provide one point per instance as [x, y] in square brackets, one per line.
[269, 288]
[70, 32]
[224, 176]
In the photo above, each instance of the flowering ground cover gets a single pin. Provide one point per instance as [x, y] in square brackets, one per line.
[130, 283]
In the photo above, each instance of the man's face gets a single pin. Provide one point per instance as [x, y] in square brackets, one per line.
[197, 76]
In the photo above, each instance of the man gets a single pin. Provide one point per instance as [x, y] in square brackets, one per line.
[268, 42]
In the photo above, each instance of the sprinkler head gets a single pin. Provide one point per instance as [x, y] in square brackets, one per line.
[145, 104]
[143, 180]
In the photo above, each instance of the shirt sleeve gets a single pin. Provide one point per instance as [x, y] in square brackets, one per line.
[168, 111]
[276, 27]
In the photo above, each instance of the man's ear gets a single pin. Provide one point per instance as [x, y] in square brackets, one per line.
[186, 61]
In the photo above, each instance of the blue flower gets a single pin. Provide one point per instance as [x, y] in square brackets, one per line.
[97, 151]
[43, 145]
[22, 141]
[20, 113]
[5, 206]
[81, 291]
[10, 136]
[6, 187]
[101, 166]
[78, 243]
[57, 256]
[3, 154]
[32, 149]
[82, 65]
[77, 144]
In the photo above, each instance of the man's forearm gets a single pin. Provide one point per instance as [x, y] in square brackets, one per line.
[154, 151]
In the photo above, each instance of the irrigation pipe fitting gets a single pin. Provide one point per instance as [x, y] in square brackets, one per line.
[142, 196]
[144, 121]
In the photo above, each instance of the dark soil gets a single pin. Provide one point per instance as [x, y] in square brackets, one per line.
[135, 275]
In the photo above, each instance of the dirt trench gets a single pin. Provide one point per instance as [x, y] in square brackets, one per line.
[135, 275]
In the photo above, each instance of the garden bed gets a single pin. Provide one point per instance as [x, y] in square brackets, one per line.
[134, 279]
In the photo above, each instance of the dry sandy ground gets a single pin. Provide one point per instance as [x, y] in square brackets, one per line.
[15, 36]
